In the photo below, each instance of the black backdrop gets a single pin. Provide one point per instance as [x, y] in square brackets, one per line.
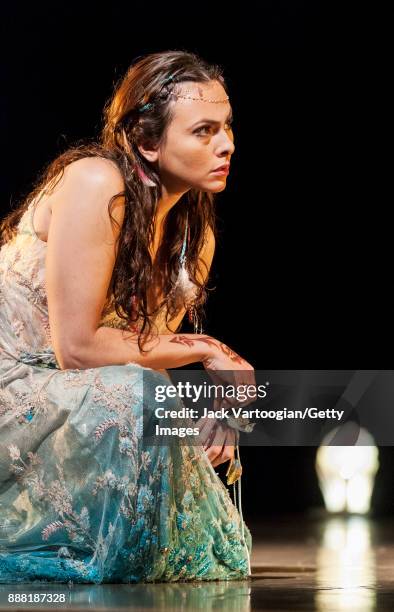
[301, 281]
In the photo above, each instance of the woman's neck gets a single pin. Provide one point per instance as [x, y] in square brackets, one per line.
[170, 195]
[167, 200]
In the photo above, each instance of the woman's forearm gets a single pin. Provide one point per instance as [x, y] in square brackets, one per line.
[110, 346]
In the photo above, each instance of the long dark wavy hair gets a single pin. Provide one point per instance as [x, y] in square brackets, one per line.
[124, 127]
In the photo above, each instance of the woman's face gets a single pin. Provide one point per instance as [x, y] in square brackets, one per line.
[198, 140]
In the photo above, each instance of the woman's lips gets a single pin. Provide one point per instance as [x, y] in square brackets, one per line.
[221, 171]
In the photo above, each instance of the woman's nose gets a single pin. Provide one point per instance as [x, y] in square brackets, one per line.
[227, 144]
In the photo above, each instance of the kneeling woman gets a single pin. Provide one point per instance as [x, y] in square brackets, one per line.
[99, 266]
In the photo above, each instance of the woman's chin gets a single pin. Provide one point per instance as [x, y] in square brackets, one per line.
[215, 186]
[221, 187]
[211, 186]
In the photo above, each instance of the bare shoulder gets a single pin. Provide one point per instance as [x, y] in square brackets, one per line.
[83, 194]
[86, 187]
[96, 171]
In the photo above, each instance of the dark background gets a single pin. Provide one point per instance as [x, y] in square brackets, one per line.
[302, 262]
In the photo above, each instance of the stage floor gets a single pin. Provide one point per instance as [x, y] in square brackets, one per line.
[298, 563]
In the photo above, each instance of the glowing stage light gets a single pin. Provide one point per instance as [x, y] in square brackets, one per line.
[347, 473]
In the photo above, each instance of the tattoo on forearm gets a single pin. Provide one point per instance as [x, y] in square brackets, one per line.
[230, 353]
[187, 341]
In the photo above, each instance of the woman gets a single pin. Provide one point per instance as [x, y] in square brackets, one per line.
[98, 267]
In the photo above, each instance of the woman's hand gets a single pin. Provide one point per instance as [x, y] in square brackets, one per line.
[226, 367]
[218, 440]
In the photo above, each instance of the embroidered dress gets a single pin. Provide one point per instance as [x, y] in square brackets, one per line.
[82, 496]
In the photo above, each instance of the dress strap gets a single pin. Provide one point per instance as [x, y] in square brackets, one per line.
[32, 207]
[31, 224]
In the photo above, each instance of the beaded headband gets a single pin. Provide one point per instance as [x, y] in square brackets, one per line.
[170, 78]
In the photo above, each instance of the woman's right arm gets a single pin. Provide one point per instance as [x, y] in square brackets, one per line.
[113, 346]
[79, 264]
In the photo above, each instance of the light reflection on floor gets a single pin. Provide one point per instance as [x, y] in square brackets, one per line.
[327, 564]
[346, 559]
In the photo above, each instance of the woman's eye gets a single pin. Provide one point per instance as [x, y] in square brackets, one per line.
[199, 131]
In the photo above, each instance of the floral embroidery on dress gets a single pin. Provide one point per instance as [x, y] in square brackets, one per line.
[77, 378]
[119, 399]
[37, 291]
[24, 404]
[55, 495]
[18, 326]
[47, 328]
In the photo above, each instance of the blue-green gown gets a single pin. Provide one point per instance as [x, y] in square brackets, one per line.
[83, 498]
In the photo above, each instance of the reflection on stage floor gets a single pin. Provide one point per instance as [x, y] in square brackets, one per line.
[325, 563]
